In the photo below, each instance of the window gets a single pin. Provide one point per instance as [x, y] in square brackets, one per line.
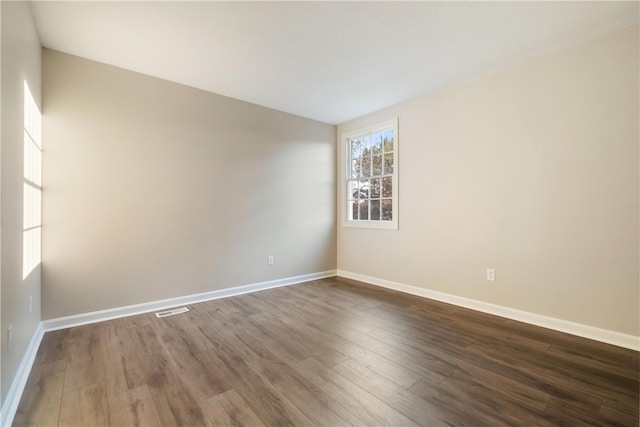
[32, 187]
[372, 176]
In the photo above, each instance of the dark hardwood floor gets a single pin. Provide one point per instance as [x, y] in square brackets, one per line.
[327, 353]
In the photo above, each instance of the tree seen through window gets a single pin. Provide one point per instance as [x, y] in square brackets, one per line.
[371, 175]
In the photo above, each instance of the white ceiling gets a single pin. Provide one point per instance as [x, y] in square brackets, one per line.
[330, 61]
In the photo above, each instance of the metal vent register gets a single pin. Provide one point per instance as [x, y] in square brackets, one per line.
[172, 312]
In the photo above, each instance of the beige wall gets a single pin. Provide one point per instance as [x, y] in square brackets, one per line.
[155, 190]
[532, 171]
[20, 62]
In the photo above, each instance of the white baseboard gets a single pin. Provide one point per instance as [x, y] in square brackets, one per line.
[10, 405]
[591, 332]
[130, 310]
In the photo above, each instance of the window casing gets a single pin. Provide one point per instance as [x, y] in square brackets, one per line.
[371, 176]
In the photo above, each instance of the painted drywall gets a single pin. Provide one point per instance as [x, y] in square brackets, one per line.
[531, 171]
[155, 190]
[20, 62]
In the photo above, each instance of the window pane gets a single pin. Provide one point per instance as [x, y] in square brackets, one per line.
[364, 210]
[364, 189]
[374, 188]
[388, 141]
[353, 210]
[387, 208]
[355, 148]
[388, 163]
[365, 145]
[355, 168]
[366, 166]
[352, 190]
[375, 210]
[387, 186]
[377, 165]
[376, 143]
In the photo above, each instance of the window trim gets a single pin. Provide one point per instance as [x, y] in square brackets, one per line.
[378, 224]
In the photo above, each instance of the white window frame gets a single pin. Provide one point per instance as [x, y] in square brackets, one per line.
[375, 224]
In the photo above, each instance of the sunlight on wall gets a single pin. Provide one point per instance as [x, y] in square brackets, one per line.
[32, 193]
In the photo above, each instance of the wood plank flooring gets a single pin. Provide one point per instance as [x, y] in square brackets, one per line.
[327, 353]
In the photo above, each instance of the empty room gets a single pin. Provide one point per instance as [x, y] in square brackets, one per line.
[320, 213]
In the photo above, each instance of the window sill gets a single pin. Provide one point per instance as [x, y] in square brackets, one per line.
[380, 225]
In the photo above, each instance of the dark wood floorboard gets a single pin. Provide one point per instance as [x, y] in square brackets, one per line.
[327, 353]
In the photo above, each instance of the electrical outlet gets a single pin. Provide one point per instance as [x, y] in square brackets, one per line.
[491, 275]
[270, 260]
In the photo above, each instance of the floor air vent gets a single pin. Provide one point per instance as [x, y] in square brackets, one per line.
[172, 312]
